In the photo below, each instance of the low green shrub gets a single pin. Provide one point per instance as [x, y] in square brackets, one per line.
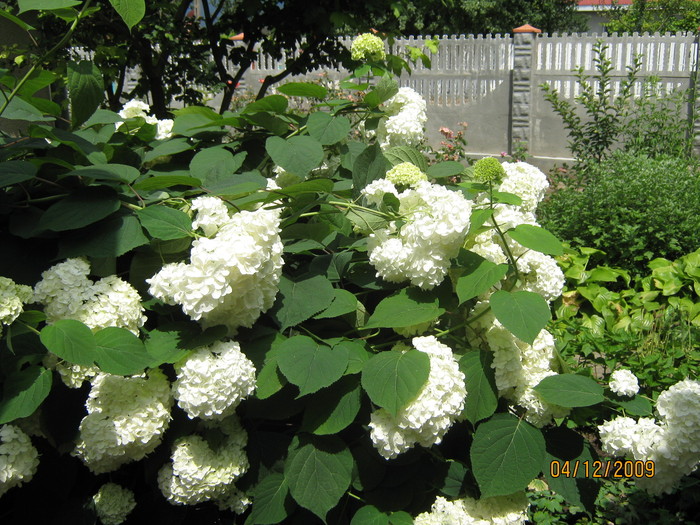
[634, 208]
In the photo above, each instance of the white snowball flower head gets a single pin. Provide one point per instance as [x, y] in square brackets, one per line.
[12, 299]
[197, 473]
[428, 418]
[126, 419]
[526, 181]
[18, 458]
[624, 383]
[113, 503]
[419, 251]
[406, 119]
[134, 108]
[213, 380]
[498, 510]
[232, 276]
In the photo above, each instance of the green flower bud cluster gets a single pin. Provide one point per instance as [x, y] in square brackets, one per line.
[405, 174]
[488, 169]
[367, 47]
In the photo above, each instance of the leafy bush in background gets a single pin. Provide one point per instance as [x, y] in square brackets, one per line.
[633, 208]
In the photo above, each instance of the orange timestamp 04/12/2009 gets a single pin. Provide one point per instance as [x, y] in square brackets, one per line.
[618, 468]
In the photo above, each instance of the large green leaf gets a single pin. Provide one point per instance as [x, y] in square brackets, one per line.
[108, 238]
[17, 21]
[297, 155]
[386, 88]
[268, 104]
[449, 168]
[302, 89]
[570, 390]
[333, 409]
[83, 207]
[399, 154]
[85, 88]
[311, 365]
[165, 223]
[215, 166]
[637, 406]
[19, 109]
[169, 147]
[319, 472]
[482, 394]
[298, 300]
[131, 11]
[394, 378]
[408, 307]
[14, 171]
[327, 129]
[120, 352]
[524, 314]
[70, 340]
[344, 302]
[44, 5]
[23, 392]
[479, 275]
[369, 166]
[167, 181]
[271, 501]
[537, 239]
[117, 172]
[164, 347]
[506, 455]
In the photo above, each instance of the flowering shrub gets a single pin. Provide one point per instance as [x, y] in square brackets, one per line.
[363, 337]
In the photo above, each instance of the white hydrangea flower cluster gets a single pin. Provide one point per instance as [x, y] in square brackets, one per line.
[197, 473]
[498, 510]
[136, 108]
[367, 47]
[405, 174]
[526, 181]
[427, 419]
[624, 383]
[232, 276]
[519, 367]
[18, 458]
[419, 251]
[126, 419]
[404, 125]
[671, 442]
[67, 293]
[12, 299]
[213, 380]
[113, 503]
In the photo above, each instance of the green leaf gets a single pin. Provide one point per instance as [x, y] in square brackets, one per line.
[24, 391]
[102, 116]
[394, 378]
[297, 155]
[507, 198]
[302, 89]
[271, 501]
[19, 109]
[570, 390]
[565, 445]
[319, 472]
[506, 454]
[83, 207]
[369, 166]
[120, 352]
[524, 314]
[344, 302]
[215, 166]
[44, 5]
[168, 147]
[637, 406]
[164, 347]
[17, 21]
[333, 409]
[167, 181]
[408, 307]
[480, 276]
[130, 11]
[399, 154]
[270, 380]
[165, 223]
[268, 104]
[482, 398]
[85, 88]
[117, 172]
[108, 238]
[14, 171]
[449, 168]
[299, 300]
[327, 129]
[386, 88]
[310, 365]
[537, 239]
[70, 340]
[369, 515]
